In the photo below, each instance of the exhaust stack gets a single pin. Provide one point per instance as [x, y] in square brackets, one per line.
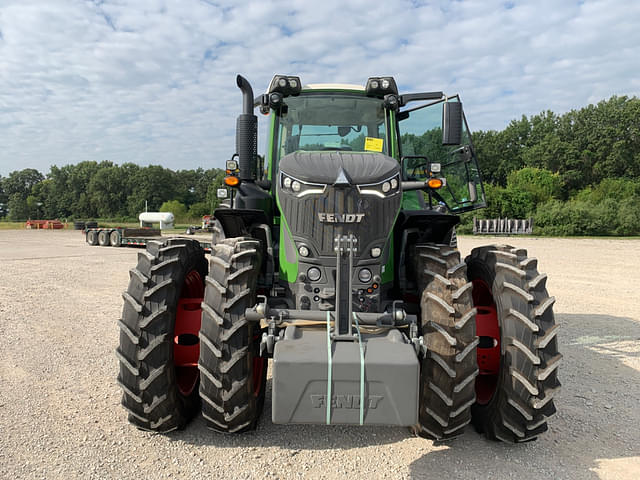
[246, 133]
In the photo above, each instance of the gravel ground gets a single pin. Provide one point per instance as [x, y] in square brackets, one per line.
[59, 402]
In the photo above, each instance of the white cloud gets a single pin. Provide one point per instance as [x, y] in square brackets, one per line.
[153, 82]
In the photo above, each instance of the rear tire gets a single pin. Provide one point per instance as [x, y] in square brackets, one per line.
[155, 393]
[449, 367]
[515, 401]
[233, 375]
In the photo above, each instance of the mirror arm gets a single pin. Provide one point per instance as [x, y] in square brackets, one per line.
[412, 97]
[408, 186]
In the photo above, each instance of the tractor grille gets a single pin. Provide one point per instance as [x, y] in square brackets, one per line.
[303, 220]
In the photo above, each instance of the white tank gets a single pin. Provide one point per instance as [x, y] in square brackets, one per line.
[164, 218]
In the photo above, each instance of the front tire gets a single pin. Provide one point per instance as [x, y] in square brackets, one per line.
[449, 367]
[518, 350]
[158, 349]
[234, 374]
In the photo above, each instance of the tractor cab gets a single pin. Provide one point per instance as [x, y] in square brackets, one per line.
[344, 159]
[374, 118]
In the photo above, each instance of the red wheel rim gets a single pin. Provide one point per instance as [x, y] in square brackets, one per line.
[488, 332]
[258, 370]
[186, 344]
[259, 364]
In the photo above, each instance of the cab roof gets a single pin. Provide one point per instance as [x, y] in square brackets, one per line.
[333, 86]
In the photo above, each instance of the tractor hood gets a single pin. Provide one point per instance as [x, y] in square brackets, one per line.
[325, 167]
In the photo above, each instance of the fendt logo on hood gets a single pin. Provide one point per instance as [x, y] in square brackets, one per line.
[341, 217]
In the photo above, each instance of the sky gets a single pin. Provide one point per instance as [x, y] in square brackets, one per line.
[153, 82]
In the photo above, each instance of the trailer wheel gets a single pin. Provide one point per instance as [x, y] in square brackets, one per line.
[92, 237]
[103, 238]
[448, 368]
[115, 238]
[518, 351]
[234, 374]
[159, 344]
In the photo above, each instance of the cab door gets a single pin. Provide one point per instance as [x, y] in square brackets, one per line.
[425, 153]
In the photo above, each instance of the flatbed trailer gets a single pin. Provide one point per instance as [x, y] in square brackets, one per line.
[128, 237]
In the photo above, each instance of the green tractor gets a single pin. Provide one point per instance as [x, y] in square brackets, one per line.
[339, 262]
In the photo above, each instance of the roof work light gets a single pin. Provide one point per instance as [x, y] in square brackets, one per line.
[381, 86]
[285, 85]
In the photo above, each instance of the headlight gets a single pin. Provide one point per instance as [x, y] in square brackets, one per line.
[299, 188]
[365, 275]
[383, 189]
[314, 274]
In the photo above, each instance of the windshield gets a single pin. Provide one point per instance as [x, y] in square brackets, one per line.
[332, 122]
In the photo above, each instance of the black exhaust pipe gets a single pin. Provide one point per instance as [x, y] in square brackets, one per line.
[246, 133]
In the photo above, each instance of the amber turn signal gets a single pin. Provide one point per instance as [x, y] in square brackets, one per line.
[435, 183]
[232, 181]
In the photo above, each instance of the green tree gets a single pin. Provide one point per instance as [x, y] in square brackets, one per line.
[489, 151]
[153, 184]
[4, 198]
[21, 182]
[78, 181]
[18, 209]
[583, 146]
[177, 208]
[198, 209]
[542, 184]
[629, 216]
[107, 191]
[17, 188]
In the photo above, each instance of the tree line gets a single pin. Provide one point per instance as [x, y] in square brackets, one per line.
[104, 190]
[576, 174]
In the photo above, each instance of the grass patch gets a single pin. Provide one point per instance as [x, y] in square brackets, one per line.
[11, 225]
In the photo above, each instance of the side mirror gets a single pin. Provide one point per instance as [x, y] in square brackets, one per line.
[451, 123]
[222, 193]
